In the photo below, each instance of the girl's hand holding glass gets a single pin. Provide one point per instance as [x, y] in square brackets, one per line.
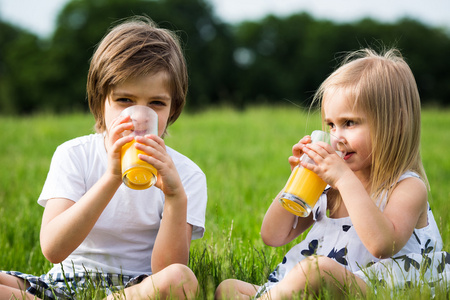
[325, 161]
[304, 186]
[297, 151]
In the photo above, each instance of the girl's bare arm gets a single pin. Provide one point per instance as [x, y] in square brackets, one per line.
[385, 233]
[280, 227]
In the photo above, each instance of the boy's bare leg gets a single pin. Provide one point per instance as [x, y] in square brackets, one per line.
[12, 287]
[176, 281]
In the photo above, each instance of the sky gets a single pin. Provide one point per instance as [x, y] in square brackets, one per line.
[40, 16]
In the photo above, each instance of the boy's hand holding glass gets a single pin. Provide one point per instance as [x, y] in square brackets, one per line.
[304, 187]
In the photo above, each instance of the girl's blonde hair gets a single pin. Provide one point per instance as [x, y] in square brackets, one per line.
[134, 48]
[382, 87]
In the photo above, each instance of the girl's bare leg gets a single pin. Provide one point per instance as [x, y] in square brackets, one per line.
[176, 281]
[235, 289]
[313, 273]
[12, 287]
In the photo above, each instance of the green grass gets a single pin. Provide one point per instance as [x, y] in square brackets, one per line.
[244, 156]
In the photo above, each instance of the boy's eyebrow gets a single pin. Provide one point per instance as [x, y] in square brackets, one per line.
[120, 93]
[116, 92]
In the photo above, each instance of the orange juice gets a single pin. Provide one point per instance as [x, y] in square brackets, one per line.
[302, 191]
[136, 173]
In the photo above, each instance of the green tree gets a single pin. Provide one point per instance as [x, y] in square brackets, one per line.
[273, 60]
[22, 60]
[82, 23]
[288, 58]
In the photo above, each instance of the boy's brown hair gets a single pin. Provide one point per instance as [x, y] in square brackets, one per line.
[133, 48]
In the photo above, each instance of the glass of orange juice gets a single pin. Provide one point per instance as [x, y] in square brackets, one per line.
[136, 173]
[304, 187]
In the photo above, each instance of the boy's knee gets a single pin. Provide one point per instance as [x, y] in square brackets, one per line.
[176, 280]
[182, 274]
[224, 288]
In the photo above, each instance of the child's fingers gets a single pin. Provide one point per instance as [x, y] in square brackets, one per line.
[294, 161]
[121, 142]
[120, 120]
[154, 148]
[119, 125]
[297, 149]
[157, 139]
[321, 149]
[151, 141]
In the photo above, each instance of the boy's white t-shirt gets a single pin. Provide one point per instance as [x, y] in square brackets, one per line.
[122, 240]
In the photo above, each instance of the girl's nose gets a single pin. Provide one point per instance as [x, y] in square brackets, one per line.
[339, 143]
[341, 146]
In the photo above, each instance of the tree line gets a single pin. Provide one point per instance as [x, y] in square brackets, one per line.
[272, 60]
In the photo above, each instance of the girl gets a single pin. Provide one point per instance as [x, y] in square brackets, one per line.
[95, 229]
[373, 223]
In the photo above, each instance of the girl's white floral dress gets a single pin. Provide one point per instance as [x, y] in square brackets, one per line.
[421, 260]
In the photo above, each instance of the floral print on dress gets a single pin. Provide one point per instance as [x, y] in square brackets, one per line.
[445, 261]
[346, 228]
[273, 276]
[317, 214]
[339, 256]
[312, 248]
[408, 262]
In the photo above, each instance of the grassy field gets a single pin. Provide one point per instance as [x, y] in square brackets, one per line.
[244, 156]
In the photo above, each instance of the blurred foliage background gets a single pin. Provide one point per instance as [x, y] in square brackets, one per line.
[273, 60]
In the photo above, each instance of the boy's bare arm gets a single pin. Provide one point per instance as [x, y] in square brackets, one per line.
[65, 224]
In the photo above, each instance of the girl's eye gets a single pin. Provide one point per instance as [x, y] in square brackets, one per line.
[350, 123]
[330, 125]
